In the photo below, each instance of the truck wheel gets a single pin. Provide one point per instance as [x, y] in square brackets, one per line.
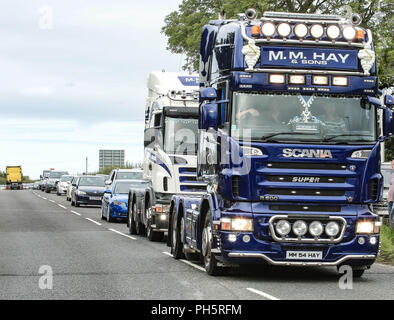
[358, 273]
[138, 224]
[47, 191]
[176, 243]
[152, 235]
[210, 261]
[131, 221]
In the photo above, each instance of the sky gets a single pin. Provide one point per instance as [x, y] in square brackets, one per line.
[73, 79]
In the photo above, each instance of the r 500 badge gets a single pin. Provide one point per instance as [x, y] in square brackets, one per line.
[269, 198]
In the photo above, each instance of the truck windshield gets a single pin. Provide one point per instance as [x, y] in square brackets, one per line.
[56, 175]
[297, 118]
[180, 136]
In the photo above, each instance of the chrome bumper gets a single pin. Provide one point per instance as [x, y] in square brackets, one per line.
[298, 263]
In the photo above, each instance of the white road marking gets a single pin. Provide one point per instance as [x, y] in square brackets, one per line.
[52, 201]
[121, 233]
[78, 214]
[263, 294]
[91, 220]
[44, 198]
[187, 262]
[62, 206]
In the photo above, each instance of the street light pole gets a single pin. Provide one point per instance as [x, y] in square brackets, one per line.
[86, 165]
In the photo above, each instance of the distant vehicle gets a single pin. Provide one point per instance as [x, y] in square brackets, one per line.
[70, 187]
[61, 187]
[43, 177]
[123, 174]
[53, 179]
[88, 190]
[115, 200]
[14, 178]
[36, 185]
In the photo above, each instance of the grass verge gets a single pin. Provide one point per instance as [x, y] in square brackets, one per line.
[387, 249]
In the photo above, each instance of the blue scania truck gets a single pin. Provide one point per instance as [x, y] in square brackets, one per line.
[290, 127]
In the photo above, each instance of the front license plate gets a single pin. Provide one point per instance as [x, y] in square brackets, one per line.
[95, 198]
[304, 255]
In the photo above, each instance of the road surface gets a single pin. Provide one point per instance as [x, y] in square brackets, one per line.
[94, 259]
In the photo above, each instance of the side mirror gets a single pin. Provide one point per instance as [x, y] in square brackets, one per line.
[388, 123]
[209, 116]
[209, 94]
[74, 184]
[388, 100]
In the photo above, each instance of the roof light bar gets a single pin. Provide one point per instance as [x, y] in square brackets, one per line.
[317, 31]
[268, 29]
[284, 29]
[301, 30]
[333, 32]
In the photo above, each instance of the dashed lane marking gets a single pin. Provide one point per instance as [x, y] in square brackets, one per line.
[91, 220]
[78, 214]
[263, 294]
[187, 262]
[62, 206]
[121, 233]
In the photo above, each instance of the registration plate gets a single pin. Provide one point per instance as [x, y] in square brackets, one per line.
[95, 198]
[304, 255]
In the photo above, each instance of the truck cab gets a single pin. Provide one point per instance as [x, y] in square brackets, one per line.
[170, 148]
[290, 126]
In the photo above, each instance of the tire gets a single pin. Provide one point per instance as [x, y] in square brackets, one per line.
[358, 273]
[72, 201]
[210, 262]
[176, 243]
[151, 235]
[138, 225]
[77, 204]
[131, 221]
[47, 191]
[109, 218]
[102, 216]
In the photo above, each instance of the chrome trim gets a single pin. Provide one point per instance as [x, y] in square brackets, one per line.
[305, 71]
[298, 263]
[310, 240]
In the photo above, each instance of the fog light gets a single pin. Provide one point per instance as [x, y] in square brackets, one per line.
[232, 237]
[316, 228]
[373, 240]
[339, 81]
[283, 228]
[246, 238]
[320, 80]
[332, 229]
[163, 217]
[361, 240]
[300, 228]
[297, 79]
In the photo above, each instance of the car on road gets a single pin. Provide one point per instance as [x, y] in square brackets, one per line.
[70, 187]
[115, 200]
[88, 190]
[53, 179]
[61, 187]
[124, 174]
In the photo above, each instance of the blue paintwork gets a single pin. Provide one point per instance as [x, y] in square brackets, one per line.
[116, 211]
[254, 184]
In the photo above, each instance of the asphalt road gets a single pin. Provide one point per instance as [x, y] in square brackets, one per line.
[94, 259]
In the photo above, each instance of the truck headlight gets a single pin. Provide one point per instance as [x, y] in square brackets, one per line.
[81, 193]
[361, 154]
[367, 227]
[251, 151]
[236, 224]
[316, 228]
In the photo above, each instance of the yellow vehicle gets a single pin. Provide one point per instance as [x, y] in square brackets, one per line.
[14, 178]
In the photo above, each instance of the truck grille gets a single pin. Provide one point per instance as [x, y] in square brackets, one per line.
[305, 208]
[188, 180]
[306, 165]
[306, 192]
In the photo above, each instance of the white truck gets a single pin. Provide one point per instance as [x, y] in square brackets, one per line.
[171, 122]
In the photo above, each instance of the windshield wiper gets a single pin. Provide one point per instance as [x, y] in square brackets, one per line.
[346, 135]
[290, 132]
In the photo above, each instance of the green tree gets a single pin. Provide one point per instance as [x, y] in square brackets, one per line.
[183, 26]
